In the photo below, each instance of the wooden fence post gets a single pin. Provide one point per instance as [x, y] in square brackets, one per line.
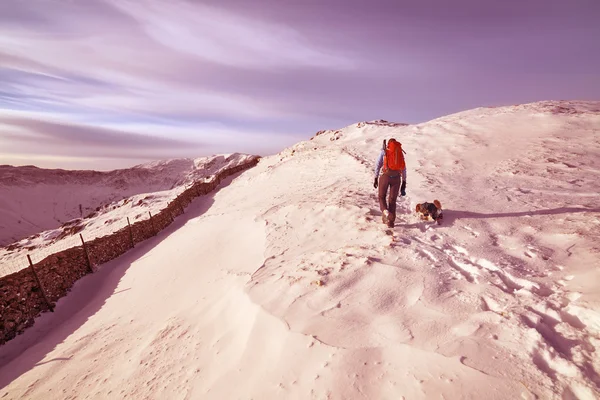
[40, 284]
[87, 255]
[130, 233]
[152, 222]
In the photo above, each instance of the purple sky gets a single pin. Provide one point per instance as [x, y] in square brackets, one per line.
[110, 83]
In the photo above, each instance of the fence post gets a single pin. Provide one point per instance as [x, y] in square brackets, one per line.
[170, 213]
[152, 222]
[87, 255]
[130, 233]
[40, 284]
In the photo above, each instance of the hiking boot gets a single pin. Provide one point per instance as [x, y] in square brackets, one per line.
[384, 216]
[390, 220]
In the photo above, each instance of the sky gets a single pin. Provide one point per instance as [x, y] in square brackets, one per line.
[105, 84]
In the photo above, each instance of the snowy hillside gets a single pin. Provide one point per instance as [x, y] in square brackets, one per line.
[285, 284]
[45, 203]
[34, 199]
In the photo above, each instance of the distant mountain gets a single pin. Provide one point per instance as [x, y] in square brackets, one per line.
[34, 199]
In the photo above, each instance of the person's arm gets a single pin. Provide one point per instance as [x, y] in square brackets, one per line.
[379, 164]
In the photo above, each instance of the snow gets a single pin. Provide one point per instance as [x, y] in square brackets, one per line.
[34, 198]
[285, 283]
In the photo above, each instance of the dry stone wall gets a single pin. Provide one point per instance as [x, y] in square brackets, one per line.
[22, 298]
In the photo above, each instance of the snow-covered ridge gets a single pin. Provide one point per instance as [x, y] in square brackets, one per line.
[34, 200]
[164, 174]
[287, 283]
[336, 134]
[499, 288]
[541, 108]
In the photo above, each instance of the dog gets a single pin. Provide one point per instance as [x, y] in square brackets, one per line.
[430, 210]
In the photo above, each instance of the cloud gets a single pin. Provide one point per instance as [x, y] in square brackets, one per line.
[250, 76]
[91, 79]
[116, 57]
[36, 137]
[136, 43]
[59, 133]
[29, 133]
[223, 37]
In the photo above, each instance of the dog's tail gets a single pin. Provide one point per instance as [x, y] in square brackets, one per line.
[437, 204]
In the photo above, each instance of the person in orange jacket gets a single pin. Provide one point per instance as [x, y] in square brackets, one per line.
[392, 178]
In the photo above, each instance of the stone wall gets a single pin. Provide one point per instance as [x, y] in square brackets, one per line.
[22, 300]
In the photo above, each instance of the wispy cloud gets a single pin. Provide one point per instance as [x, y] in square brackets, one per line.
[29, 136]
[256, 75]
[50, 132]
[144, 60]
[223, 37]
[23, 133]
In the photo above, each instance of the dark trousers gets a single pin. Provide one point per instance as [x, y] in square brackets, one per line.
[393, 184]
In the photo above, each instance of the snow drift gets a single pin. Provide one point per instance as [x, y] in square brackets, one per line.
[286, 285]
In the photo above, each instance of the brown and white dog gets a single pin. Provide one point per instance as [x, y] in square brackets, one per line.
[430, 210]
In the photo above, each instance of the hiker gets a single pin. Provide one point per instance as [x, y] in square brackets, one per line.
[393, 178]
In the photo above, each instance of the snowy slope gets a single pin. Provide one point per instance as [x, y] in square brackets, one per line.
[285, 284]
[45, 203]
[34, 199]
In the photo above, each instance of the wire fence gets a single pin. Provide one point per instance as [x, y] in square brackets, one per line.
[16, 260]
[11, 266]
[34, 278]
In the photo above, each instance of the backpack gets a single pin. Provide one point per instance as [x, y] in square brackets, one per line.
[393, 159]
